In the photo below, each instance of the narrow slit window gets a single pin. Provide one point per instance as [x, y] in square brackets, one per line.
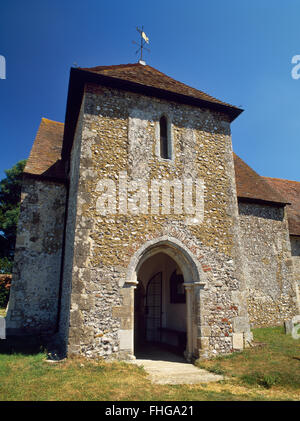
[164, 141]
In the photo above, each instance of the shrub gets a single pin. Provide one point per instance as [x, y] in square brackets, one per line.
[6, 265]
[5, 282]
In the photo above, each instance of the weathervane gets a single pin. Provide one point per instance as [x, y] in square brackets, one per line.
[144, 40]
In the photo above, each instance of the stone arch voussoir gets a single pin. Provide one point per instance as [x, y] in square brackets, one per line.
[192, 268]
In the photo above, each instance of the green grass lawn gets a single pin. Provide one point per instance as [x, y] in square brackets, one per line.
[271, 372]
[275, 361]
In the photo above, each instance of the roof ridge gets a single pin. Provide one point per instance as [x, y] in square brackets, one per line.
[110, 66]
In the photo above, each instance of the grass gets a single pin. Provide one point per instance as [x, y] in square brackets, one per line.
[31, 378]
[275, 362]
[2, 312]
[267, 373]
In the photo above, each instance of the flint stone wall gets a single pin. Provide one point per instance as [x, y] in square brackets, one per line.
[117, 131]
[265, 236]
[295, 246]
[34, 291]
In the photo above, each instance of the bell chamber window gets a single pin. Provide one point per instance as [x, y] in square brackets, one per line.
[165, 149]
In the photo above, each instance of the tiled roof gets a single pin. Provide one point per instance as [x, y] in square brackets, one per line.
[252, 186]
[291, 190]
[149, 76]
[45, 156]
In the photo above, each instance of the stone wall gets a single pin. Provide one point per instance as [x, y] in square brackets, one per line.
[118, 131]
[34, 291]
[270, 273]
[71, 281]
[296, 270]
[295, 246]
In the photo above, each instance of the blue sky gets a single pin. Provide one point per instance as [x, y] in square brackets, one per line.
[238, 51]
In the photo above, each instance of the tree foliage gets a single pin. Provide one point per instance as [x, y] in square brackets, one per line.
[10, 195]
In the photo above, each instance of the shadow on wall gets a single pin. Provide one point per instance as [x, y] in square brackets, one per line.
[261, 211]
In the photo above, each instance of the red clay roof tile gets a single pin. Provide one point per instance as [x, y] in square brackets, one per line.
[291, 190]
[149, 76]
[250, 185]
[45, 156]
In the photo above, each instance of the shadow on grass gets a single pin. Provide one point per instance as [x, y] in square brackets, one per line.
[28, 345]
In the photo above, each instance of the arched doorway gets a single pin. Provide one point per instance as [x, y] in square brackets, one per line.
[133, 320]
[160, 305]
